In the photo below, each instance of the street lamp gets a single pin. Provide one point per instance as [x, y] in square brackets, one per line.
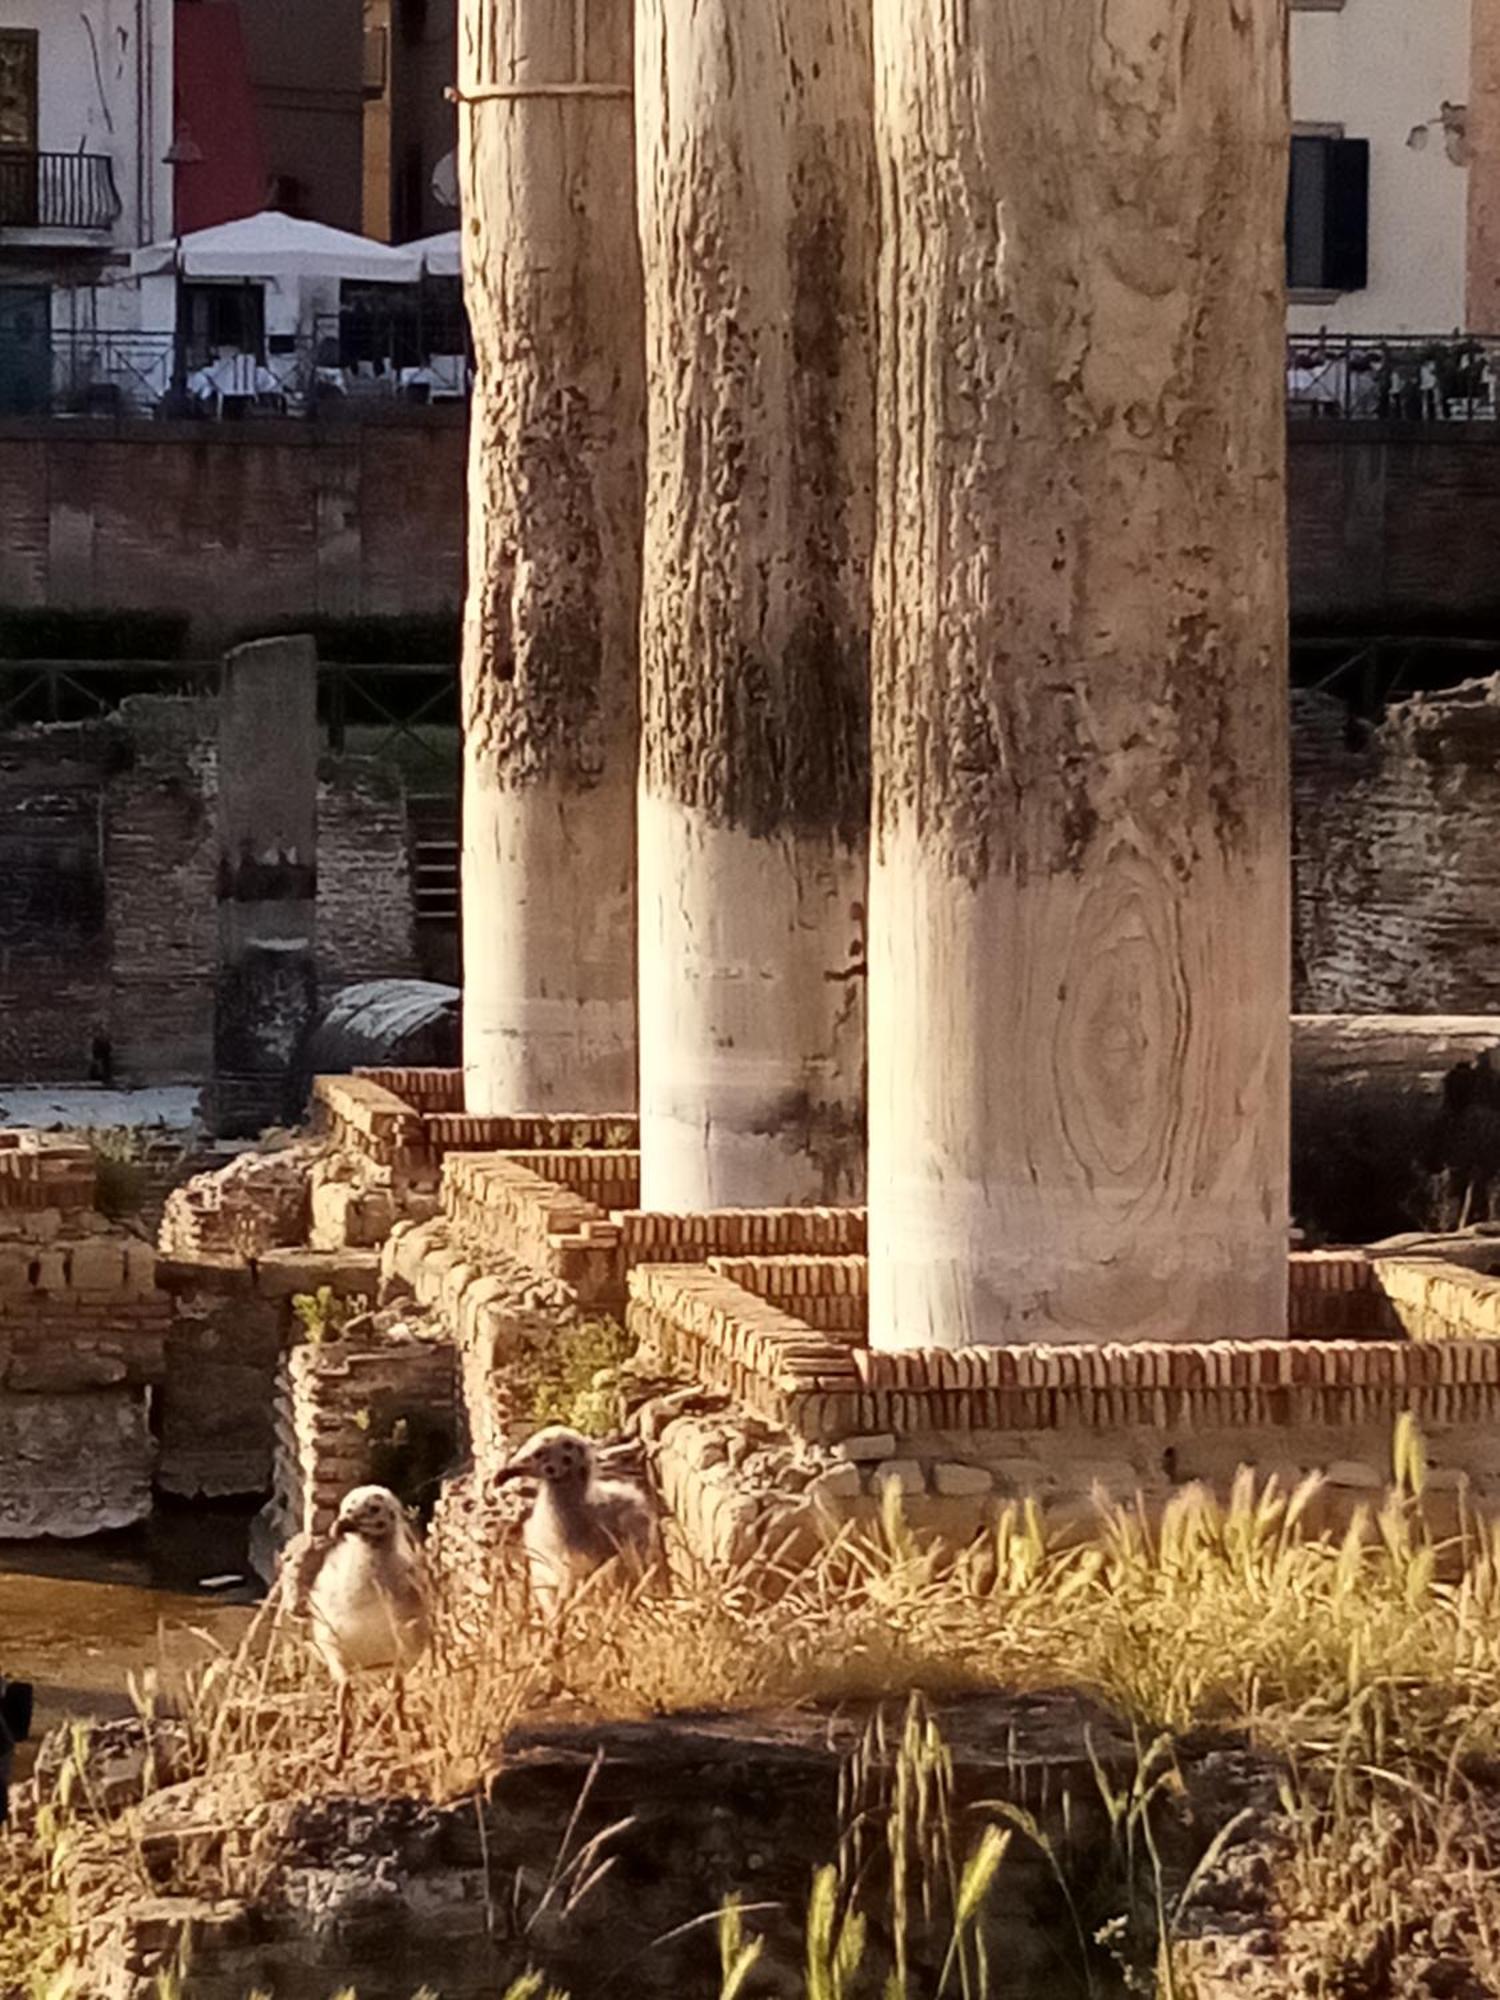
[184, 151]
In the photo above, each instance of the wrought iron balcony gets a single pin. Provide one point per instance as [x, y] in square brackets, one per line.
[64, 191]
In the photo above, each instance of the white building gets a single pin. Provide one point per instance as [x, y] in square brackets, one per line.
[85, 126]
[1378, 218]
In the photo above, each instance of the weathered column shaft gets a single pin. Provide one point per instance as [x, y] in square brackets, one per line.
[1079, 901]
[757, 209]
[553, 285]
[1482, 136]
[266, 1000]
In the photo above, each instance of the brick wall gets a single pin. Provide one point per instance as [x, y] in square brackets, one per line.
[256, 521]
[1391, 521]
[82, 1341]
[108, 917]
[246, 523]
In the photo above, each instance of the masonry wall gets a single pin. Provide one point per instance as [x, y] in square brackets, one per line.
[1391, 522]
[108, 917]
[245, 523]
[271, 520]
[1397, 856]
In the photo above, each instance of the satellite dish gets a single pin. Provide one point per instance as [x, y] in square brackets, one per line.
[444, 182]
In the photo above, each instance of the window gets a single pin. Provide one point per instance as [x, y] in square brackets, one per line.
[1328, 214]
[18, 161]
[18, 88]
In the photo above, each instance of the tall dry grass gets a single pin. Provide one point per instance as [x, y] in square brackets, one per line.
[1367, 1665]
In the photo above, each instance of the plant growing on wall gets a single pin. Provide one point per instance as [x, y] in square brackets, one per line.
[324, 1315]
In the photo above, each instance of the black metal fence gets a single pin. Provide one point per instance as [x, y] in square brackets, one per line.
[352, 363]
[146, 374]
[57, 190]
[1405, 378]
[404, 712]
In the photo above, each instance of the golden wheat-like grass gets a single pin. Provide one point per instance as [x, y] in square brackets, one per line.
[1368, 1663]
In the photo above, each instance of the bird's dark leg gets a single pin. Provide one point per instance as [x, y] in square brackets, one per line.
[342, 1704]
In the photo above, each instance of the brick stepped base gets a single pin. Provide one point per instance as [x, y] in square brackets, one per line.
[768, 1310]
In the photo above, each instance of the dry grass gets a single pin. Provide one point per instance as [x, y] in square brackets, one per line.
[1369, 1665]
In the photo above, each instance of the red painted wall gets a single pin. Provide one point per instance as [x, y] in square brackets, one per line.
[215, 110]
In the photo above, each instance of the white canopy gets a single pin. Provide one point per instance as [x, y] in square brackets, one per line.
[280, 247]
[442, 255]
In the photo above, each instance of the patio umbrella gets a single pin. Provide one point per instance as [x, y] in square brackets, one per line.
[279, 248]
[441, 255]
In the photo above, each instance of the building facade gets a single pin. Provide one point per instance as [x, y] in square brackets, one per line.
[86, 123]
[411, 126]
[1393, 219]
[306, 73]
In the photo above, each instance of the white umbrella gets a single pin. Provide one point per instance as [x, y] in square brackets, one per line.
[278, 247]
[442, 255]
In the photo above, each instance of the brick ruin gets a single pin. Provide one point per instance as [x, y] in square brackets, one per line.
[108, 888]
[439, 1247]
[775, 1425]
[83, 1334]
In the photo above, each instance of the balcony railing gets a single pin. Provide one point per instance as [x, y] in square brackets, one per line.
[1404, 378]
[56, 191]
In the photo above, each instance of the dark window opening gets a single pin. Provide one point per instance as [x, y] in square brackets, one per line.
[1328, 215]
[221, 319]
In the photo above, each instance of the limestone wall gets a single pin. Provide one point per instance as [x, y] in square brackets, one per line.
[83, 1332]
[1397, 855]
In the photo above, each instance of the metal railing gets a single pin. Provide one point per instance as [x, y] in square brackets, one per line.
[87, 373]
[57, 191]
[1405, 378]
[1409, 378]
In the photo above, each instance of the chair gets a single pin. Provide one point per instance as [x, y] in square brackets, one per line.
[450, 377]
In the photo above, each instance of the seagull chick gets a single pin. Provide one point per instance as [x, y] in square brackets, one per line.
[578, 1521]
[364, 1588]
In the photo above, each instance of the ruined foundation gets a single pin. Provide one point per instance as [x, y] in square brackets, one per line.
[83, 1331]
[787, 1428]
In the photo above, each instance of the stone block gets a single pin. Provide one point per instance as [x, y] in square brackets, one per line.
[281, 1274]
[1354, 1473]
[331, 1204]
[51, 1271]
[66, 1369]
[838, 1484]
[97, 1266]
[956, 1519]
[1020, 1476]
[15, 1270]
[75, 1464]
[956, 1482]
[140, 1270]
[866, 1450]
[905, 1474]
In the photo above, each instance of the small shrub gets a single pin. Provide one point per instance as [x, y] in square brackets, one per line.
[125, 1163]
[324, 1315]
[572, 1377]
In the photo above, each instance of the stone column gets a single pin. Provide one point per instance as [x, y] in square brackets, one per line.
[1079, 891]
[1483, 147]
[267, 881]
[551, 632]
[757, 206]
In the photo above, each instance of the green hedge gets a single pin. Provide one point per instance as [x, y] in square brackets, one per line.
[397, 640]
[46, 634]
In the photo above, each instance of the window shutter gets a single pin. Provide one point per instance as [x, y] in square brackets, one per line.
[1346, 216]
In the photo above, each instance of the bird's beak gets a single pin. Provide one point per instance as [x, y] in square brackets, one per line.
[507, 1473]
